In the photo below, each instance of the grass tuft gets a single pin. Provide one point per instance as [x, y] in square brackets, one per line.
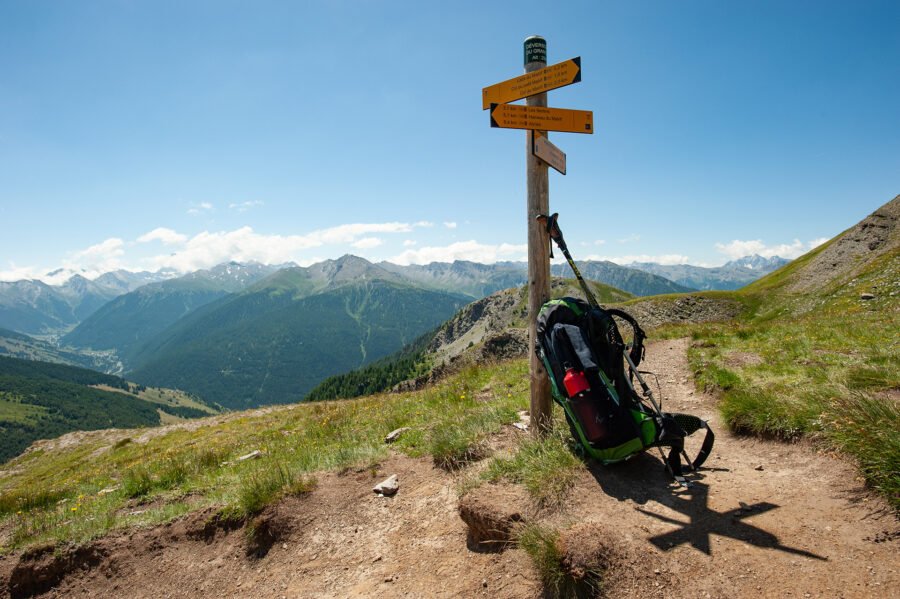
[27, 499]
[260, 487]
[137, 482]
[868, 377]
[755, 412]
[865, 427]
[542, 545]
[546, 468]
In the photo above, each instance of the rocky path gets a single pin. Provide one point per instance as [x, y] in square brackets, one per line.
[762, 519]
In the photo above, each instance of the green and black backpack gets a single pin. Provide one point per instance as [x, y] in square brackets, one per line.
[592, 377]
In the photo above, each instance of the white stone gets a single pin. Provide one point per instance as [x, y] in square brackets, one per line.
[388, 486]
[394, 435]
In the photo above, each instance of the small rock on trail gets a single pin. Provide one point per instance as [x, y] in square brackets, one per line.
[388, 487]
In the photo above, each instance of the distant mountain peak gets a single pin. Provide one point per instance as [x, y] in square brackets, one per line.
[757, 262]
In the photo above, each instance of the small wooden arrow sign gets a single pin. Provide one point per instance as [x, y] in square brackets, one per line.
[516, 116]
[546, 151]
[535, 82]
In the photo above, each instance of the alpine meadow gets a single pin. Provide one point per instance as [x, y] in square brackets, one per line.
[285, 311]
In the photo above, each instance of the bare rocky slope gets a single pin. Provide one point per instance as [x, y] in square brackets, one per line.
[840, 259]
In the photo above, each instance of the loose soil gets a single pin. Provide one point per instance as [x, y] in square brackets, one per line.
[762, 519]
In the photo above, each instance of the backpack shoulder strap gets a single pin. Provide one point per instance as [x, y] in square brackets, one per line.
[637, 345]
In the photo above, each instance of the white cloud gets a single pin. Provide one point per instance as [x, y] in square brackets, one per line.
[367, 243]
[185, 253]
[208, 249]
[450, 224]
[108, 248]
[243, 245]
[200, 208]
[739, 248]
[424, 223]
[634, 237]
[167, 236]
[18, 273]
[463, 250]
[94, 260]
[245, 206]
[349, 233]
[667, 259]
[600, 242]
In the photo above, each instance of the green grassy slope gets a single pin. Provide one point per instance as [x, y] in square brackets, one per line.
[811, 357]
[40, 400]
[182, 470]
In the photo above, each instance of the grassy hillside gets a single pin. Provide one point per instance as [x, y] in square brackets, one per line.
[130, 320]
[815, 351]
[74, 494]
[40, 400]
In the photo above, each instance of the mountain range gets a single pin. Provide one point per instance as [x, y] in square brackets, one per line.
[253, 334]
[36, 308]
[274, 341]
[730, 276]
[127, 321]
[40, 309]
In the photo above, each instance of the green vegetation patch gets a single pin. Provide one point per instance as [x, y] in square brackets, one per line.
[543, 545]
[106, 482]
[825, 364]
[547, 468]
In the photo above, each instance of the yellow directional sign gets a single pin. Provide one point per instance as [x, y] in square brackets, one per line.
[549, 153]
[516, 116]
[535, 82]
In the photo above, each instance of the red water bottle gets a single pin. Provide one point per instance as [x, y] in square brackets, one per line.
[585, 407]
[575, 382]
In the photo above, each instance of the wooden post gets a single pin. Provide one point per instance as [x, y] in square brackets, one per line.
[538, 247]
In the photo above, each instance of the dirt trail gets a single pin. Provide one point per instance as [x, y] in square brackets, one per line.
[764, 519]
[761, 519]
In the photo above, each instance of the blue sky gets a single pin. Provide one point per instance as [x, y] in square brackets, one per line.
[182, 134]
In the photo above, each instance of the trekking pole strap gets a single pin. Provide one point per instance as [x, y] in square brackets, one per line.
[705, 449]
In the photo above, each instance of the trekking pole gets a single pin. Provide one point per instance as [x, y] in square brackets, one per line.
[552, 224]
[648, 392]
[556, 235]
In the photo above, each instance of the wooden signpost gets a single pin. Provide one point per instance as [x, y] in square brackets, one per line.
[537, 119]
[530, 84]
[514, 116]
[546, 151]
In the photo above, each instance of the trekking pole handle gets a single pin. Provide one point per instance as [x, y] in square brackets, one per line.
[552, 224]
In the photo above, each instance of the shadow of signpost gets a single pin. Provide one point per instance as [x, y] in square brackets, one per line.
[640, 480]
